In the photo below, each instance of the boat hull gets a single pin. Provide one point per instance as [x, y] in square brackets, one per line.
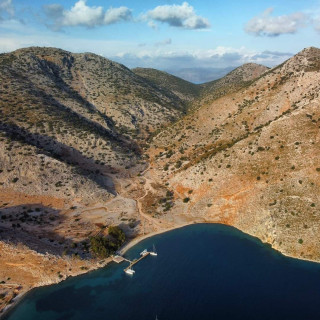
[130, 271]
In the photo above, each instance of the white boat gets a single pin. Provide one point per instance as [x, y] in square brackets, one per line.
[154, 252]
[144, 252]
[130, 271]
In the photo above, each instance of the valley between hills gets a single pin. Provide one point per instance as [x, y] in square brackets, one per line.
[87, 143]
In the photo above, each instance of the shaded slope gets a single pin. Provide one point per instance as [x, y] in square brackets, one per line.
[185, 90]
[98, 83]
[80, 109]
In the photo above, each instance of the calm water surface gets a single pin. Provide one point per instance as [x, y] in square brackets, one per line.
[201, 272]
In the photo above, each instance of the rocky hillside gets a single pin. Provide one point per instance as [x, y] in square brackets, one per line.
[249, 159]
[72, 119]
[53, 140]
[233, 81]
[198, 95]
[102, 86]
[72, 128]
[76, 157]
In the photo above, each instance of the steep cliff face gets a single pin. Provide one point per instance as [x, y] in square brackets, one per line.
[249, 158]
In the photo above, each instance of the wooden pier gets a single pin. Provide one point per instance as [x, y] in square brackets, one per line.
[118, 259]
[132, 263]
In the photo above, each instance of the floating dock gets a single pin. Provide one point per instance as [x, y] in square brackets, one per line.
[132, 263]
[129, 270]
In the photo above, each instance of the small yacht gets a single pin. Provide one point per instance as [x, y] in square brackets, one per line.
[154, 252]
[130, 271]
[144, 252]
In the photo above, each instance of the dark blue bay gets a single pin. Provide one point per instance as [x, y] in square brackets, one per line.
[201, 272]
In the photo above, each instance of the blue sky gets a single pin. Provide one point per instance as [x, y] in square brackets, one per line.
[165, 34]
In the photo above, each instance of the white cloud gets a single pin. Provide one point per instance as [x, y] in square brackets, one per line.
[6, 7]
[267, 25]
[83, 15]
[182, 16]
[114, 15]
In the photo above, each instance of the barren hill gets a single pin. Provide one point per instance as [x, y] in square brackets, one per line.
[76, 157]
[233, 81]
[104, 86]
[248, 159]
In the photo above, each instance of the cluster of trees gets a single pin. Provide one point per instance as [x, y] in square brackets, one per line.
[103, 247]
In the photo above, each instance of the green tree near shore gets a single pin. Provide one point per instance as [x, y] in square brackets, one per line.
[103, 247]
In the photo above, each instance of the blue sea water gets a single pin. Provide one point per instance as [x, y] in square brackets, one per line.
[205, 271]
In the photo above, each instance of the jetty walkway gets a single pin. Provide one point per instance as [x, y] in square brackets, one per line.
[119, 259]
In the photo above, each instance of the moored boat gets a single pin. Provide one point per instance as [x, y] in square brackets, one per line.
[130, 271]
[154, 252]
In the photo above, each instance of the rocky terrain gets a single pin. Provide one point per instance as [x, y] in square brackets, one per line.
[248, 159]
[86, 143]
[233, 81]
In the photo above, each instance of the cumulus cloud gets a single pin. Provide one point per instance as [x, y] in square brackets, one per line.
[114, 15]
[6, 7]
[182, 16]
[268, 25]
[83, 15]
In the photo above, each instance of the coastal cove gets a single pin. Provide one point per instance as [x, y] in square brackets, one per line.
[203, 271]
